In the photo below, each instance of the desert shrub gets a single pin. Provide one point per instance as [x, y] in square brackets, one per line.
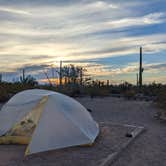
[3, 95]
[96, 91]
[129, 94]
[161, 98]
[7, 90]
[161, 102]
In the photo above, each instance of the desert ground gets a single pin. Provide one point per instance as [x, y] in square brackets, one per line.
[148, 149]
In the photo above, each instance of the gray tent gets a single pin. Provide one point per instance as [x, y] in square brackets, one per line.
[48, 119]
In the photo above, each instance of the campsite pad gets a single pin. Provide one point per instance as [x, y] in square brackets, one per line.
[112, 139]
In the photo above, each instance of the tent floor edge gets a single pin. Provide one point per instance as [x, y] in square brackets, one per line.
[19, 140]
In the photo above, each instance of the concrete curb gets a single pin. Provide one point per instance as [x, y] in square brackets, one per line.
[112, 157]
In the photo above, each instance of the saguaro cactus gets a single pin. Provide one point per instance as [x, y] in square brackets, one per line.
[140, 69]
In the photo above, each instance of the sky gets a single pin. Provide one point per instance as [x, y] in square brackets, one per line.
[102, 36]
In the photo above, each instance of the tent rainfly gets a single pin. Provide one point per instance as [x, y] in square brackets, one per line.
[46, 120]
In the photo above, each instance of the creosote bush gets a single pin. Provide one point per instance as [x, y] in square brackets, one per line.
[161, 102]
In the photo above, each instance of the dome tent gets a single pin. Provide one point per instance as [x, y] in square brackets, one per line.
[46, 120]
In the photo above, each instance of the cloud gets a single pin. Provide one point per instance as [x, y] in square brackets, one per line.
[152, 18]
[101, 5]
[14, 11]
[95, 70]
[117, 73]
[44, 32]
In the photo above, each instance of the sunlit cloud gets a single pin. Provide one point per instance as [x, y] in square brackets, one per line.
[14, 11]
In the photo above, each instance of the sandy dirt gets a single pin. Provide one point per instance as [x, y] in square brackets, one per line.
[148, 149]
[111, 138]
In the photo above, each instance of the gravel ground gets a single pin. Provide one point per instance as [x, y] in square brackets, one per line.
[110, 140]
[1, 104]
[150, 148]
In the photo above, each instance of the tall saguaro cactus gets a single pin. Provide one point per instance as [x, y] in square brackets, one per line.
[0, 77]
[140, 69]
